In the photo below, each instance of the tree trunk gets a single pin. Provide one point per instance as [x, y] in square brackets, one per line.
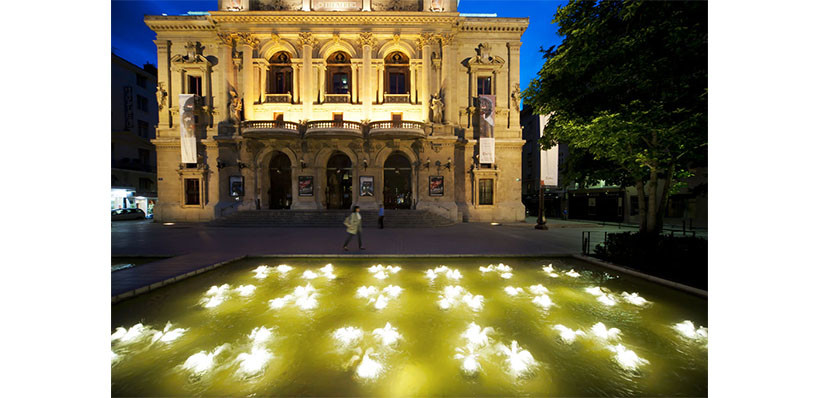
[641, 205]
[664, 199]
[652, 216]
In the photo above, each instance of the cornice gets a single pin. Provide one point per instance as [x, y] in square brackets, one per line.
[159, 23]
[333, 18]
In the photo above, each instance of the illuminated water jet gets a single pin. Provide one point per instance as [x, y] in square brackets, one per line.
[130, 335]
[168, 335]
[567, 334]
[382, 272]
[600, 330]
[550, 271]
[469, 361]
[245, 290]
[381, 301]
[388, 335]
[303, 297]
[215, 295]
[202, 361]
[518, 360]
[687, 329]
[507, 275]
[283, 269]
[347, 335]
[602, 297]
[476, 336]
[513, 291]
[369, 368]
[261, 272]
[474, 302]
[327, 271]
[260, 335]
[280, 302]
[634, 298]
[571, 273]
[543, 301]
[626, 357]
[252, 363]
[453, 274]
[538, 289]
[309, 275]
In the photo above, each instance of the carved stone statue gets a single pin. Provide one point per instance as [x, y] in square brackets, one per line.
[192, 50]
[236, 106]
[484, 53]
[516, 96]
[161, 94]
[438, 108]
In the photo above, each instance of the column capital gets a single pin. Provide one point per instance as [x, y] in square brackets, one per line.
[446, 38]
[306, 39]
[424, 40]
[366, 39]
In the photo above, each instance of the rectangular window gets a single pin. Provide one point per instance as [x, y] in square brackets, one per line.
[195, 85]
[341, 83]
[338, 117]
[142, 103]
[141, 81]
[142, 128]
[191, 191]
[485, 85]
[397, 83]
[279, 116]
[485, 191]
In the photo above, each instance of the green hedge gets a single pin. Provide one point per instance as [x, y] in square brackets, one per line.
[680, 259]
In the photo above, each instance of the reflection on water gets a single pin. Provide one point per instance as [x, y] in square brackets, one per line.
[415, 327]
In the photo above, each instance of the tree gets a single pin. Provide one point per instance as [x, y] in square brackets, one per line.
[628, 87]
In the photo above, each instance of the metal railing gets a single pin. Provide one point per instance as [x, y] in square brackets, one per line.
[335, 124]
[270, 125]
[396, 98]
[279, 98]
[590, 241]
[337, 98]
[396, 124]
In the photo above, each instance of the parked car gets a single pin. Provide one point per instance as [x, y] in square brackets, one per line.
[127, 214]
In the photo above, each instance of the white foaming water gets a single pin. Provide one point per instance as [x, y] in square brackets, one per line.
[476, 336]
[347, 335]
[571, 273]
[567, 334]
[600, 330]
[252, 363]
[595, 291]
[626, 357]
[305, 297]
[381, 275]
[430, 274]
[366, 291]
[453, 274]
[505, 271]
[215, 295]
[542, 301]
[503, 268]
[507, 275]
[687, 329]
[280, 302]
[369, 368]
[634, 298]
[130, 335]
[245, 290]
[518, 360]
[261, 272]
[168, 335]
[388, 335]
[327, 271]
[476, 303]
[469, 362]
[513, 291]
[381, 301]
[309, 275]
[550, 271]
[455, 294]
[260, 335]
[283, 269]
[382, 272]
[202, 361]
[538, 289]
[392, 291]
[607, 299]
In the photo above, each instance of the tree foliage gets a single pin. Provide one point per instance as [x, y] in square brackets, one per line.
[627, 88]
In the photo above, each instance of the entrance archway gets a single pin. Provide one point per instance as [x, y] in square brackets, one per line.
[398, 190]
[339, 188]
[280, 193]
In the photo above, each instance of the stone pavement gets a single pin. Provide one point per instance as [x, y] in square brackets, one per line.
[197, 247]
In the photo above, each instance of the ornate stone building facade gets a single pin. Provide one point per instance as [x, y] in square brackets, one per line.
[314, 104]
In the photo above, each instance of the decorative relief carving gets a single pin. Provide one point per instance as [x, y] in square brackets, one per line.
[275, 39]
[161, 95]
[447, 38]
[483, 57]
[193, 55]
[516, 96]
[275, 5]
[247, 38]
[395, 5]
[307, 39]
[425, 39]
[366, 39]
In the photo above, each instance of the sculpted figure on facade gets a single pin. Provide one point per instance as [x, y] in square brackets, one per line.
[516, 96]
[236, 106]
[438, 108]
[161, 94]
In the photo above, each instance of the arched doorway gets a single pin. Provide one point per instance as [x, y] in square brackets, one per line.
[398, 190]
[339, 188]
[280, 182]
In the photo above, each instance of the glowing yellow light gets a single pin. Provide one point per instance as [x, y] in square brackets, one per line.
[627, 358]
[567, 334]
[600, 330]
[167, 223]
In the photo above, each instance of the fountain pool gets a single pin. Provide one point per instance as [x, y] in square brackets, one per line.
[410, 327]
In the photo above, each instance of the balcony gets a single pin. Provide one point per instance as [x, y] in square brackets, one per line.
[278, 98]
[334, 128]
[270, 129]
[396, 129]
[396, 98]
[337, 99]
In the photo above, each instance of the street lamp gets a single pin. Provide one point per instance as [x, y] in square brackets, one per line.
[541, 223]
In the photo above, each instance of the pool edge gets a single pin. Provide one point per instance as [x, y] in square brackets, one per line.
[675, 285]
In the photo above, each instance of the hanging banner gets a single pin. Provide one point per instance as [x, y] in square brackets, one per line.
[187, 128]
[549, 158]
[486, 139]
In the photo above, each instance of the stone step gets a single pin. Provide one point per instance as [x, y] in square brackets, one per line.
[330, 218]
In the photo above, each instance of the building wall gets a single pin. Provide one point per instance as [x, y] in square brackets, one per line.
[447, 52]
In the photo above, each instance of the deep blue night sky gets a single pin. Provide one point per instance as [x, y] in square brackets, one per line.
[132, 40]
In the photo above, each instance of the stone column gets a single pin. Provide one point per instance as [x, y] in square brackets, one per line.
[380, 92]
[366, 5]
[296, 88]
[448, 78]
[426, 67]
[307, 41]
[414, 94]
[321, 69]
[164, 81]
[514, 76]
[354, 88]
[263, 82]
[247, 81]
[366, 40]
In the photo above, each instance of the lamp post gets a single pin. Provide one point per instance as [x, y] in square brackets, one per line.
[541, 223]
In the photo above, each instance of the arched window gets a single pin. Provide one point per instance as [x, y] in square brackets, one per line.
[280, 74]
[397, 73]
[338, 73]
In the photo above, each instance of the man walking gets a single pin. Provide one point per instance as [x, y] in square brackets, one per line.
[353, 222]
[381, 216]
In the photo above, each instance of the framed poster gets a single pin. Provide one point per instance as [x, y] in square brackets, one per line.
[366, 186]
[305, 185]
[436, 185]
[236, 184]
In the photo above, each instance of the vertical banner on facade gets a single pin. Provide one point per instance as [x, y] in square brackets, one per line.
[486, 140]
[549, 158]
[187, 128]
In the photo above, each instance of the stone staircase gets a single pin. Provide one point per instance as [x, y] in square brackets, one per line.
[330, 218]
